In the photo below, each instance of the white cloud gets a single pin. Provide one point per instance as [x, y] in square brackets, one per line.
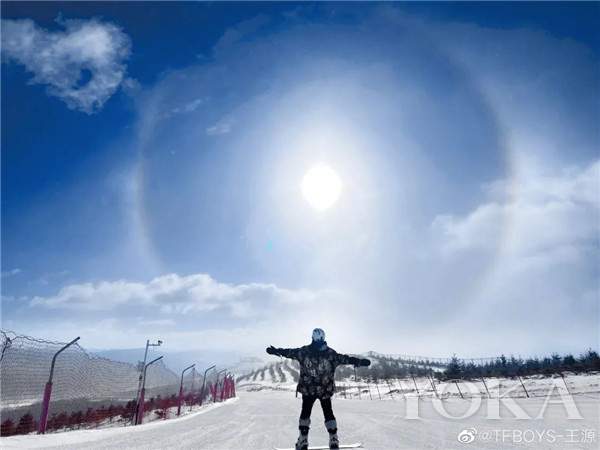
[63, 59]
[541, 236]
[175, 294]
[543, 215]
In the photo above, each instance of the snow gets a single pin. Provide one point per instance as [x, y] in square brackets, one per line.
[268, 418]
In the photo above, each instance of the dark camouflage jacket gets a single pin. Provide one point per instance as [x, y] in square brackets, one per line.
[317, 368]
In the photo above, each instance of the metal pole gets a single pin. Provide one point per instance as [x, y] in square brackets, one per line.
[48, 390]
[140, 409]
[415, 381]
[229, 384]
[486, 388]
[204, 383]
[137, 394]
[390, 388]
[139, 388]
[458, 387]
[217, 385]
[358, 386]
[192, 387]
[526, 393]
[181, 389]
[401, 388]
[565, 381]
[377, 386]
[433, 386]
[226, 386]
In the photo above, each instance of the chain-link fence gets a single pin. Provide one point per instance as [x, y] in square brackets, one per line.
[87, 390]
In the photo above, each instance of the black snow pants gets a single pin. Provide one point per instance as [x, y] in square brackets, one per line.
[309, 401]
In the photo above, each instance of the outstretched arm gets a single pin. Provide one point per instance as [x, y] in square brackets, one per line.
[291, 353]
[342, 359]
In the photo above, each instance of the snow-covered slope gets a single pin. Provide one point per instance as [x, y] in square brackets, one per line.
[283, 375]
[262, 420]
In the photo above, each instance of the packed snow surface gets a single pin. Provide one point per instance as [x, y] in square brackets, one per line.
[266, 419]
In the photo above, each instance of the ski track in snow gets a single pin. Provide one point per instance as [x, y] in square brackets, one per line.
[267, 419]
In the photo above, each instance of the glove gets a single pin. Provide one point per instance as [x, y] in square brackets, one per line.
[271, 350]
[364, 363]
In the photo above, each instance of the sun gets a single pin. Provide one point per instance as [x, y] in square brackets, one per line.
[321, 187]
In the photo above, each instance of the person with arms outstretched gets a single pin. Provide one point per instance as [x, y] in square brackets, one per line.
[317, 371]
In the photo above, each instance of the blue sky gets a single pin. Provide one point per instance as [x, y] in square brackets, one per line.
[151, 171]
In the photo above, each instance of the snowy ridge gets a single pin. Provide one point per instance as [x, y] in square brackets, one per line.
[280, 375]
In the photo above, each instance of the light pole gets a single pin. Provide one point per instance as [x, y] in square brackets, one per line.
[217, 384]
[137, 394]
[140, 410]
[204, 383]
[181, 389]
[48, 389]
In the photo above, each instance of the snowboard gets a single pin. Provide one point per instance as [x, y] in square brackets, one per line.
[323, 447]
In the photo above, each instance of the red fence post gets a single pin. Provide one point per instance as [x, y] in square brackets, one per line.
[140, 410]
[179, 400]
[213, 391]
[202, 393]
[45, 406]
[223, 389]
[181, 389]
[48, 389]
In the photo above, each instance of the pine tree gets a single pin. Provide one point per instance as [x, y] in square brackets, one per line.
[454, 369]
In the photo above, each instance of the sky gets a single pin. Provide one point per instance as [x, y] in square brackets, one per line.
[153, 157]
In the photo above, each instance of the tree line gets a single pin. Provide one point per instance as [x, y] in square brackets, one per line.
[512, 366]
[385, 367]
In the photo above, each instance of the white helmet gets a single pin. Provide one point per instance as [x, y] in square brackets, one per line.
[318, 335]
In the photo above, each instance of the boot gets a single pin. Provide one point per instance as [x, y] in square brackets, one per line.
[302, 442]
[334, 442]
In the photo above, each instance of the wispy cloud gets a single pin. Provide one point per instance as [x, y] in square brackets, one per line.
[11, 273]
[223, 126]
[185, 108]
[175, 294]
[83, 65]
[234, 34]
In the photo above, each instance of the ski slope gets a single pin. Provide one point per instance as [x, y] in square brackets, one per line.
[265, 419]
